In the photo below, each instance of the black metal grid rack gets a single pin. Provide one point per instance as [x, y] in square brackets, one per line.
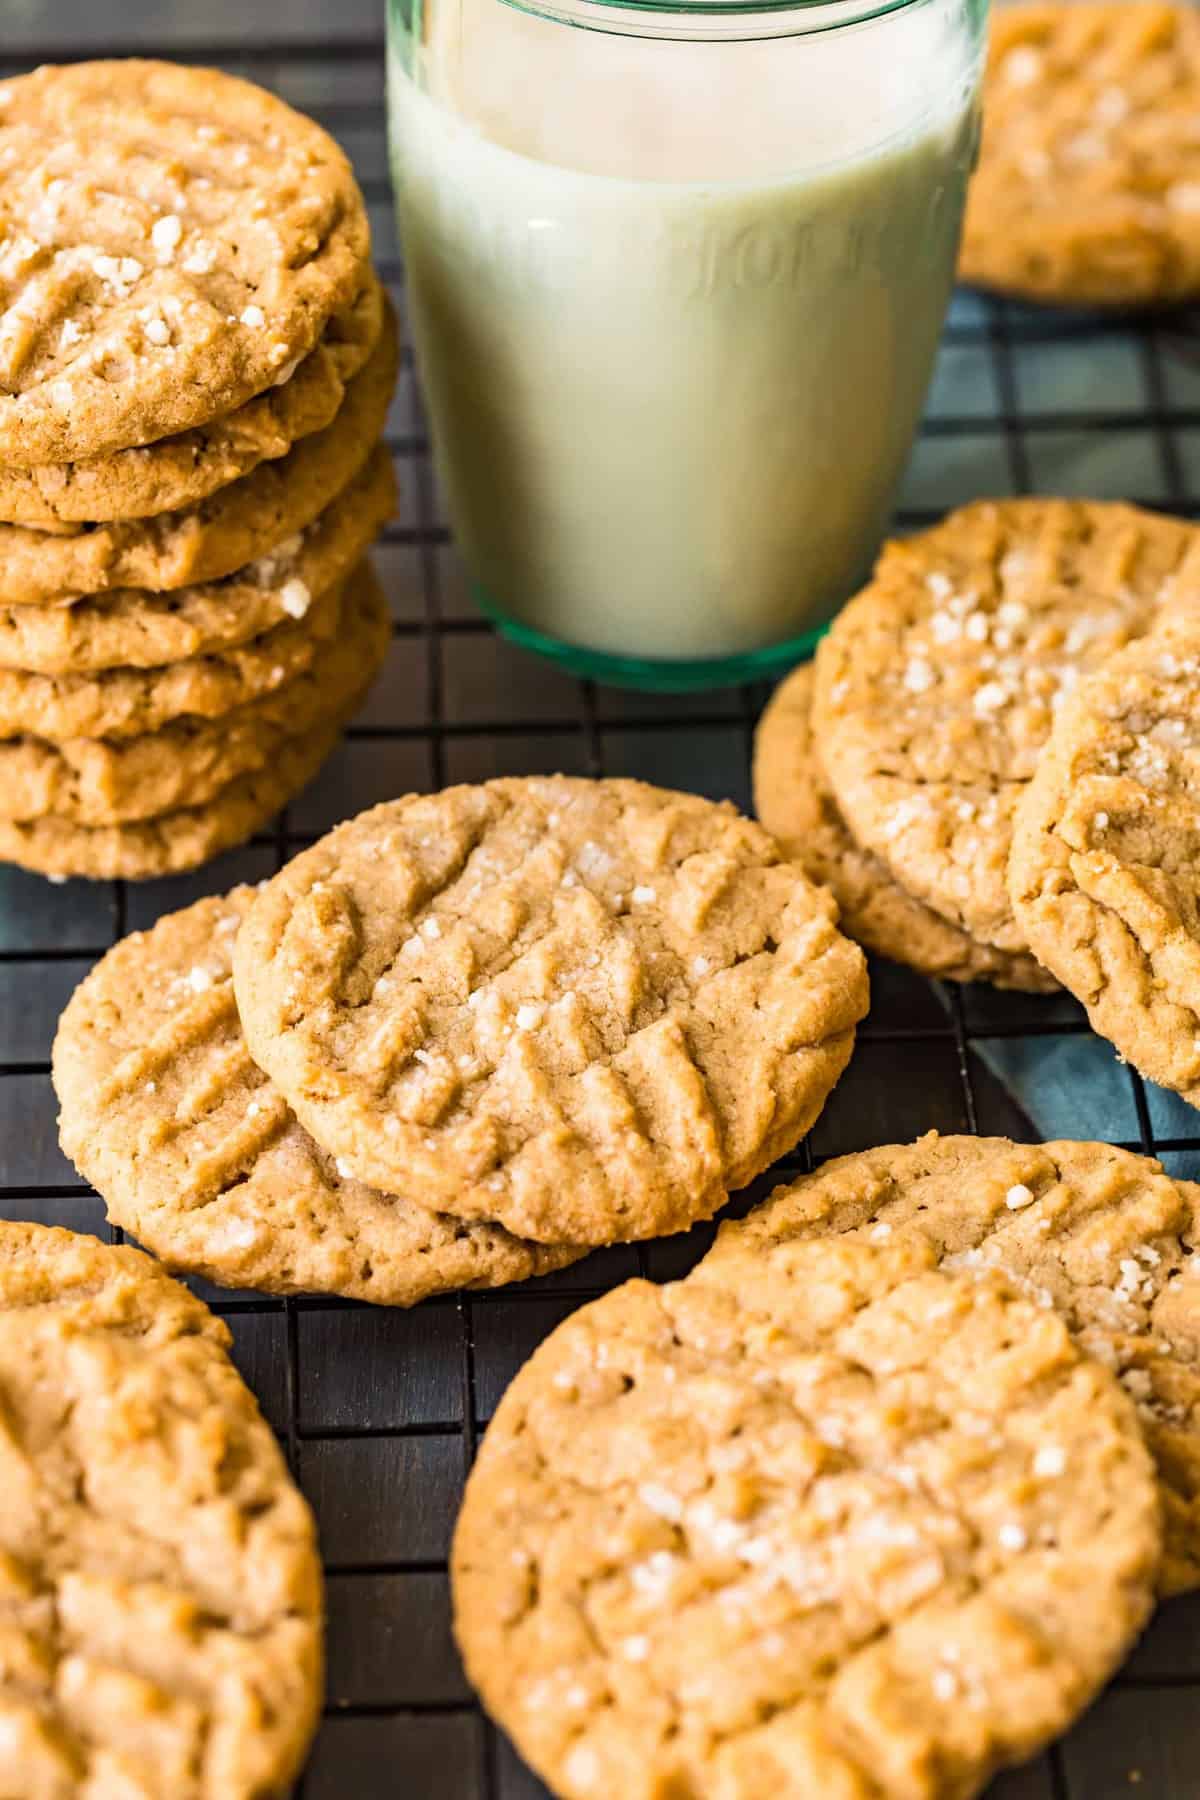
[380, 1411]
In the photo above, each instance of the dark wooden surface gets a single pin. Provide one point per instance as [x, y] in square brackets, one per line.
[380, 1410]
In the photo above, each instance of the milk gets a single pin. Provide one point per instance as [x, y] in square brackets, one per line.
[676, 307]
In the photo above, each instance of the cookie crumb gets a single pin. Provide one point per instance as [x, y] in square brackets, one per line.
[165, 234]
[201, 259]
[295, 597]
[1022, 67]
[990, 697]
[1112, 105]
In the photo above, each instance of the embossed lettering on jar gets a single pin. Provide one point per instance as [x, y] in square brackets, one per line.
[676, 283]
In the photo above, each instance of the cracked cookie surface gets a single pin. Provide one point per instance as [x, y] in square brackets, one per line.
[175, 239]
[937, 686]
[585, 1009]
[1105, 867]
[233, 1188]
[796, 1539]
[1106, 1238]
[160, 1588]
[793, 799]
[1086, 188]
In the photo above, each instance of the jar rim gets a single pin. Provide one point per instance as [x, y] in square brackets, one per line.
[709, 20]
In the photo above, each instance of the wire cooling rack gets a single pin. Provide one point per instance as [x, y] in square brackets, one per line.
[380, 1411]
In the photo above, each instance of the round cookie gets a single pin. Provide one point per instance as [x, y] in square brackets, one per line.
[937, 686]
[160, 1588]
[1104, 1237]
[1086, 189]
[134, 629]
[235, 1190]
[173, 841]
[585, 1009]
[1105, 870]
[92, 781]
[800, 1538]
[252, 518]
[129, 702]
[184, 470]
[792, 798]
[176, 238]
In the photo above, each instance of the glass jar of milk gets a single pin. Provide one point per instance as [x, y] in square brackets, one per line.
[676, 275]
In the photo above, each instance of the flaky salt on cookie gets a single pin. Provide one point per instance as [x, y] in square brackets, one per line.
[583, 1009]
[794, 801]
[1105, 1238]
[800, 1535]
[234, 1189]
[1105, 866]
[937, 686]
[1086, 191]
[177, 239]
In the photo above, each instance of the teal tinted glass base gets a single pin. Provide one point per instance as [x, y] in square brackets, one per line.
[652, 675]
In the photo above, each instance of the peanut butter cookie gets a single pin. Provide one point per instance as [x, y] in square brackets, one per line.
[184, 470]
[233, 1188]
[160, 1590]
[1105, 871]
[802, 1537]
[937, 686]
[174, 240]
[129, 702]
[584, 1009]
[94, 781]
[135, 629]
[175, 841]
[793, 800]
[1086, 190]
[1105, 1238]
[253, 518]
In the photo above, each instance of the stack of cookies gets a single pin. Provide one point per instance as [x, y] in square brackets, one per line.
[465, 1038]
[1028, 670]
[196, 362]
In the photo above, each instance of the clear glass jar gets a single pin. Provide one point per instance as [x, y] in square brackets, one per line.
[676, 276]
